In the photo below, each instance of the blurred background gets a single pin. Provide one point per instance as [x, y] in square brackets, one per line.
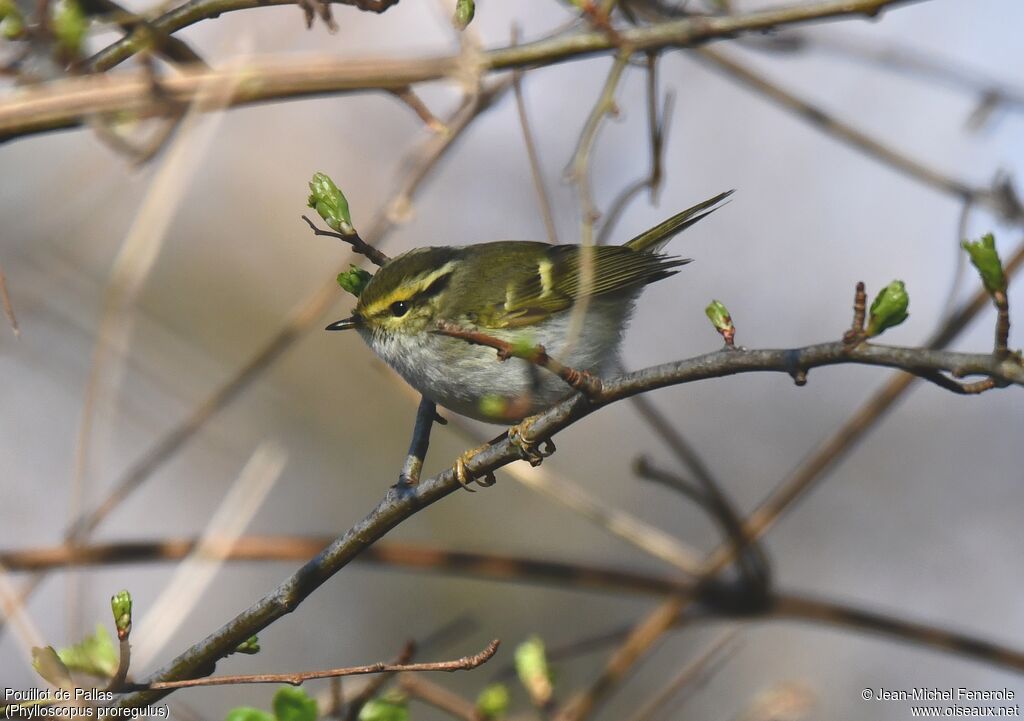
[921, 520]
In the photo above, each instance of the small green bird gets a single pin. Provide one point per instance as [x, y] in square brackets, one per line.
[523, 292]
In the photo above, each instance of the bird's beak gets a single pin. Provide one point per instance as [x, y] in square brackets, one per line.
[344, 323]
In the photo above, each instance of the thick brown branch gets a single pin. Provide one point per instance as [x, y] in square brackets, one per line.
[66, 102]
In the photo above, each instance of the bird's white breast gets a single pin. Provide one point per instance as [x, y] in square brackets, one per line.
[460, 376]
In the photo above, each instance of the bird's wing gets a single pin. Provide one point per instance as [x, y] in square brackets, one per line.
[561, 276]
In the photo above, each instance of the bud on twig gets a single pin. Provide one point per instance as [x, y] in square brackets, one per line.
[888, 309]
[389, 707]
[121, 605]
[354, 280]
[532, 667]
[12, 25]
[493, 701]
[330, 203]
[719, 316]
[69, 25]
[250, 646]
[464, 12]
[985, 258]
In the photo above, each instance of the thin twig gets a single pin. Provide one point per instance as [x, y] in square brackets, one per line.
[353, 708]
[860, 303]
[658, 124]
[465, 663]
[5, 298]
[858, 139]
[172, 48]
[578, 173]
[439, 697]
[579, 167]
[753, 566]
[543, 196]
[625, 658]
[409, 97]
[359, 245]
[124, 662]
[900, 57]
[644, 469]
[836, 446]
[688, 675]
[1002, 304]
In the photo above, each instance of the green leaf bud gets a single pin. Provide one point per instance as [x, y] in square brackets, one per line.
[390, 707]
[532, 667]
[248, 713]
[12, 24]
[294, 704]
[249, 646]
[888, 309]
[464, 12]
[720, 318]
[69, 25]
[330, 203]
[121, 605]
[354, 280]
[523, 346]
[493, 701]
[985, 258]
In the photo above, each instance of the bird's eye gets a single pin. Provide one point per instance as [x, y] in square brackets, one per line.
[399, 308]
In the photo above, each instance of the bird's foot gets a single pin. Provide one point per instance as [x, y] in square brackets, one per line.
[465, 477]
[531, 450]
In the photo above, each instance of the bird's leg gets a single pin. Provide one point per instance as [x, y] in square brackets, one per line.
[531, 450]
[426, 416]
[463, 474]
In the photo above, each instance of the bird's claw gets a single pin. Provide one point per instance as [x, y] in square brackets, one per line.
[465, 477]
[531, 450]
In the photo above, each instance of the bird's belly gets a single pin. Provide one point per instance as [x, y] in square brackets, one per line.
[472, 381]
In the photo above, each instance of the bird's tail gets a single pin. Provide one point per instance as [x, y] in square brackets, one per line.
[651, 241]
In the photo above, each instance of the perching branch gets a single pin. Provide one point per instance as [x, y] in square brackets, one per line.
[403, 501]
